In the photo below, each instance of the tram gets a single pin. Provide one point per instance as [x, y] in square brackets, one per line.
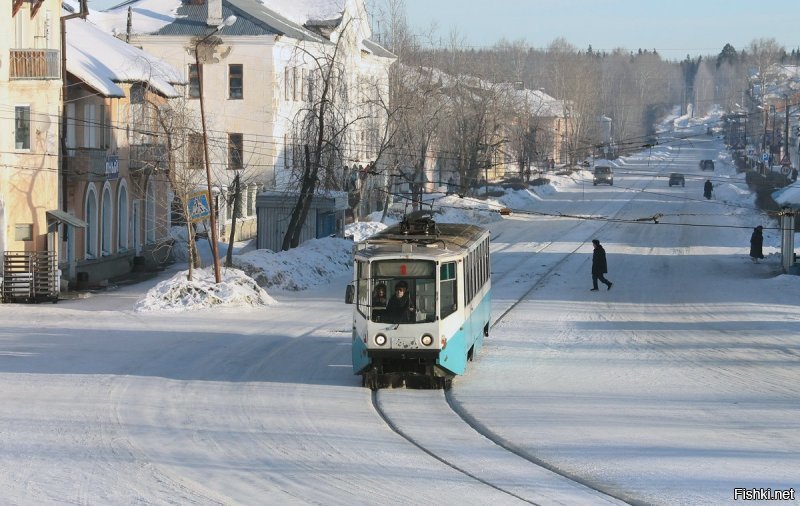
[421, 292]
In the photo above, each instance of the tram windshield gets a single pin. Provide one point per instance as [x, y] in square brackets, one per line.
[403, 291]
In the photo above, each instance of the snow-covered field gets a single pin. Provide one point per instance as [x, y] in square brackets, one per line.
[676, 387]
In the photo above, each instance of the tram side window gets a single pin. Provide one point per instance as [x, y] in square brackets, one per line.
[363, 288]
[448, 289]
[488, 259]
[426, 300]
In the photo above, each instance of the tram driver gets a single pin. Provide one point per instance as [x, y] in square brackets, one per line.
[399, 308]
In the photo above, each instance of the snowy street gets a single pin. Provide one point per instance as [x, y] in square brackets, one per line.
[677, 386]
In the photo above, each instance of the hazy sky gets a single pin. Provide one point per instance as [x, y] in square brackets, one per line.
[674, 27]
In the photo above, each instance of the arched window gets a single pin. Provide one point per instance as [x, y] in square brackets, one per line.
[150, 214]
[122, 216]
[106, 221]
[90, 212]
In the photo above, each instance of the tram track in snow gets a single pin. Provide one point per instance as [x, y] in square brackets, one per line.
[523, 474]
[477, 438]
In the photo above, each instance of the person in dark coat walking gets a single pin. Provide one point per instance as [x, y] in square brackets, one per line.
[708, 188]
[756, 243]
[599, 266]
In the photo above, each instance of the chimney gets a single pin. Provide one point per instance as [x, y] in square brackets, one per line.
[214, 13]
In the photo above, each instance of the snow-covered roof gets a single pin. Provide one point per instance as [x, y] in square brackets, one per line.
[537, 102]
[293, 18]
[102, 61]
[309, 12]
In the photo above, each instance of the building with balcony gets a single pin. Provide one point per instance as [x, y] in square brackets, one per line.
[30, 102]
[116, 162]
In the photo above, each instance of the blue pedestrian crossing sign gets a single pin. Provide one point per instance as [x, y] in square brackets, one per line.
[197, 206]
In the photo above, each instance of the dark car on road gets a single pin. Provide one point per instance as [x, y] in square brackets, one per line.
[676, 179]
[603, 175]
[706, 164]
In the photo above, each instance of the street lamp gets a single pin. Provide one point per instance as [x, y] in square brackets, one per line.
[212, 216]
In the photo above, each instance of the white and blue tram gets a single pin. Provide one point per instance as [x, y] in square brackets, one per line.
[445, 271]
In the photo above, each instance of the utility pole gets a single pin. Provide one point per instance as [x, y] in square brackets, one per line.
[212, 216]
[786, 132]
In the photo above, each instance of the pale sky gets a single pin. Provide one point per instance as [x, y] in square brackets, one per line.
[675, 28]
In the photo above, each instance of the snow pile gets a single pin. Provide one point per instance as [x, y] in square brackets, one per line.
[179, 294]
[363, 229]
[313, 263]
[454, 209]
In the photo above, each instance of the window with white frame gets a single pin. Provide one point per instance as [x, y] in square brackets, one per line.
[122, 216]
[89, 126]
[22, 127]
[90, 212]
[106, 221]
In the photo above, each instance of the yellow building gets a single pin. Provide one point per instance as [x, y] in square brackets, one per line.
[30, 103]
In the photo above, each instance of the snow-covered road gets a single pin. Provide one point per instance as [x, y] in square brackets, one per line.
[678, 385]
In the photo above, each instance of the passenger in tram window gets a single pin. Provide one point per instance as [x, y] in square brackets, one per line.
[379, 297]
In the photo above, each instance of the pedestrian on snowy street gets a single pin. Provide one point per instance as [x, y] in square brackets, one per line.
[756, 243]
[599, 266]
[708, 188]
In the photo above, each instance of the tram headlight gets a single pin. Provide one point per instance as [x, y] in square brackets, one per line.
[427, 339]
[380, 339]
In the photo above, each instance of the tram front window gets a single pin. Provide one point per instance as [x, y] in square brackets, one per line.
[409, 288]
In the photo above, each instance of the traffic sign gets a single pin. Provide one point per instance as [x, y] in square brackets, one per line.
[764, 157]
[198, 208]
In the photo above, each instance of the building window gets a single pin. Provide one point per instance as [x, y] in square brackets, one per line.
[196, 155]
[236, 81]
[194, 81]
[235, 150]
[122, 217]
[90, 212]
[89, 126]
[22, 127]
[295, 84]
[106, 220]
[105, 127]
[23, 232]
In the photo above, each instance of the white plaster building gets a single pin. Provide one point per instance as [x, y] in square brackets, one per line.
[256, 75]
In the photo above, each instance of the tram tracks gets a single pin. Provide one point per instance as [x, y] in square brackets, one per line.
[454, 437]
[458, 437]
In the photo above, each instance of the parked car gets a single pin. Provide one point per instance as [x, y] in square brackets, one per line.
[676, 179]
[706, 164]
[603, 175]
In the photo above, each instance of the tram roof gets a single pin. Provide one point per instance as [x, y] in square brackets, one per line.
[448, 239]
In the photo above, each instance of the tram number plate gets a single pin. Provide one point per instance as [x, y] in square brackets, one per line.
[404, 343]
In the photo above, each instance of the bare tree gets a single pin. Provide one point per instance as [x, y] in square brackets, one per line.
[322, 130]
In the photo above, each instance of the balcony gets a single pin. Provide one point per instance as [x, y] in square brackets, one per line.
[148, 157]
[34, 64]
[91, 164]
